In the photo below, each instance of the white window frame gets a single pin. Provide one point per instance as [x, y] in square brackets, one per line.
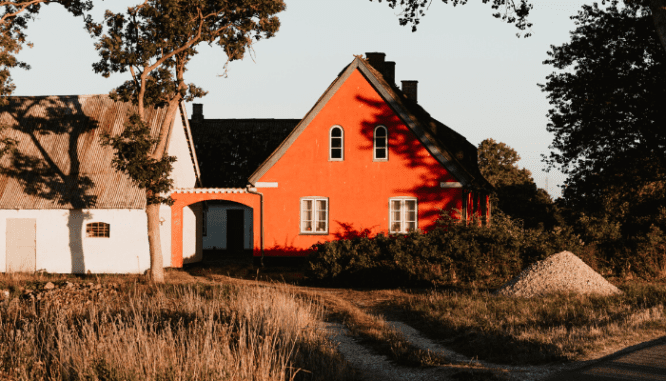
[342, 144]
[98, 230]
[374, 144]
[403, 214]
[314, 220]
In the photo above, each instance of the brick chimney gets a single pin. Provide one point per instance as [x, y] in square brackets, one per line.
[376, 60]
[389, 72]
[197, 111]
[409, 88]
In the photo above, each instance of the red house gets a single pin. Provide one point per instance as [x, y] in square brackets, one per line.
[366, 157]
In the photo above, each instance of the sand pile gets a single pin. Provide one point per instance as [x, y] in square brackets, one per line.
[561, 272]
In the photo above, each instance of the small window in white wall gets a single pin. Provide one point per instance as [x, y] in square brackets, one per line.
[380, 152]
[337, 144]
[403, 215]
[314, 215]
[98, 229]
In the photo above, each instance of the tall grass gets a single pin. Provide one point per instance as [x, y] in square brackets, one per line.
[168, 333]
[560, 327]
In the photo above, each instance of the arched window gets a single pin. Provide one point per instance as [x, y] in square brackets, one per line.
[380, 143]
[337, 144]
[98, 229]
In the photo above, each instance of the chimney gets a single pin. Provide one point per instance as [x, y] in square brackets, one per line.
[389, 72]
[409, 89]
[376, 60]
[197, 111]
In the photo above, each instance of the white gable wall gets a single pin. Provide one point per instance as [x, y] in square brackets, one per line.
[183, 170]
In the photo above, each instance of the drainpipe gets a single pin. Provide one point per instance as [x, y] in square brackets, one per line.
[261, 217]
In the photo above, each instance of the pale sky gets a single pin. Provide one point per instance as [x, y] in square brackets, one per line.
[474, 74]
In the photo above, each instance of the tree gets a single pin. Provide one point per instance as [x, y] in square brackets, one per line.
[13, 24]
[508, 10]
[516, 13]
[608, 117]
[516, 193]
[155, 41]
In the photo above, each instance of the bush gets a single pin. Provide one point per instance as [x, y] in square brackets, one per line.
[452, 252]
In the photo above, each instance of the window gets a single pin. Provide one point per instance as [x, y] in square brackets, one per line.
[314, 215]
[403, 215]
[380, 143]
[98, 229]
[337, 144]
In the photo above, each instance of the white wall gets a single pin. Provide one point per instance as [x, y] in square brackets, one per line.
[217, 226]
[165, 234]
[183, 169]
[192, 233]
[62, 245]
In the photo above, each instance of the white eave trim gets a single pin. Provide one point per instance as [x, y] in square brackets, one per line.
[260, 184]
[450, 185]
[210, 190]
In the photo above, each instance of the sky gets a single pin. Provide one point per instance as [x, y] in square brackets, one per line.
[474, 74]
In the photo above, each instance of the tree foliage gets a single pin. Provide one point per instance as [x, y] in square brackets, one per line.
[154, 42]
[516, 193]
[608, 116]
[13, 25]
[511, 11]
[150, 174]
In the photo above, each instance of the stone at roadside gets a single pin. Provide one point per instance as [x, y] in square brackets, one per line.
[49, 286]
[561, 272]
[4, 294]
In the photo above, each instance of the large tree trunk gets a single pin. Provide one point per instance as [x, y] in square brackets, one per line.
[658, 8]
[153, 211]
[154, 244]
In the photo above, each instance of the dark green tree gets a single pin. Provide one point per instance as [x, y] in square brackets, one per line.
[515, 12]
[14, 19]
[608, 116]
[511, 11]
[154, 42]
[516, 193]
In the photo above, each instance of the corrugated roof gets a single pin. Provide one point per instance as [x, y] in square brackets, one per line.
[59, 162]
[229, 150]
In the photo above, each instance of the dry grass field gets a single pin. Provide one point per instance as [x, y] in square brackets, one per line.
[120, 328]
[205, 325]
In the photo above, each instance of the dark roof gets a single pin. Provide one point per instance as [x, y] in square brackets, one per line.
[59, 162]
[450, 148]
[229, 150]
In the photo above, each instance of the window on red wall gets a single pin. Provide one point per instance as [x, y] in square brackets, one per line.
[337, 144]
[403, 214]
[380, 152]
[314, 215]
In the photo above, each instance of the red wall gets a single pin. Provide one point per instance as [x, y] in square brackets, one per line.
[358, 188]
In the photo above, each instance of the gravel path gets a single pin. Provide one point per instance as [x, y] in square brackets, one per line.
[376, 367]
[523, 373]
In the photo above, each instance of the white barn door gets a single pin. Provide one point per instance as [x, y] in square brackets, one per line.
[21, 237]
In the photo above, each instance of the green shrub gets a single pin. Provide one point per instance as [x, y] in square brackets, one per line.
[452, 252]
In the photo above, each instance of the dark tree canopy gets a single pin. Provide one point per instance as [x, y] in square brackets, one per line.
[14, 19]
[608, 112]
[511, 11]
[516, 193]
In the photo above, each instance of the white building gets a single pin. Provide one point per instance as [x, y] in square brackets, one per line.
[64, 208]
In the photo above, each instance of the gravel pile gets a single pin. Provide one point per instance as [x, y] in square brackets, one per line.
[561, 272]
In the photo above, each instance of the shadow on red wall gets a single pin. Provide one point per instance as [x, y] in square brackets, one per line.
[403, 143]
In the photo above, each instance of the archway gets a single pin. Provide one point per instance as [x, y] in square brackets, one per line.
[185, 197]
